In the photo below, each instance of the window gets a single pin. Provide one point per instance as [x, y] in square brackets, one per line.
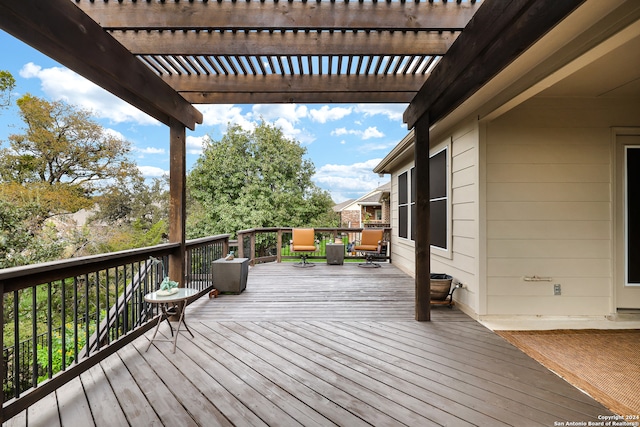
[438, 201]
[403, 206]
[378, 214]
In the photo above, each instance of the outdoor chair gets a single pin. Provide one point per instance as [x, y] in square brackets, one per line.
[303, 240]
[371, 244]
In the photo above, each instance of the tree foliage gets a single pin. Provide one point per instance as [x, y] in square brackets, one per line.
[7, 83]
[63, 145]
[23, 240]
[251, 179]
[56, 166]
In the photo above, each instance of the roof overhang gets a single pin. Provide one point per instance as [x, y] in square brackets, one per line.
[592, 31]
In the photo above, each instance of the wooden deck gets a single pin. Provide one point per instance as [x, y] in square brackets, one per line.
[330, 345]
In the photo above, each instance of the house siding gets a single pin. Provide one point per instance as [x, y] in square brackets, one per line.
[549, 206]
[460, 260]
[403, 250]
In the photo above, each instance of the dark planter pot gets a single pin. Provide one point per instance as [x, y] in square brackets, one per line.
[440, 286]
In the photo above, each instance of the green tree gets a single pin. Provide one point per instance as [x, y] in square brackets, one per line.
[131, 214]
[7, 83]
[22, 239]
[61, 160]
[250, 179]
[63, 145]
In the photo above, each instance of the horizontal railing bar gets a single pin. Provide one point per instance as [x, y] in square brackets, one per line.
[203, 241]
[16, 278]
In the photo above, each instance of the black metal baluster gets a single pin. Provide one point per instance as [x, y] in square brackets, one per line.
[16, 346]
[106, 304]
[75, 319]
[63, 331]
[49, 333]
[34, 337]
[117, 304]
[98, 310]
[124, 301]
[86, 314]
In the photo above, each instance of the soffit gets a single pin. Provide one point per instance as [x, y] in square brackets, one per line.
[613, 75]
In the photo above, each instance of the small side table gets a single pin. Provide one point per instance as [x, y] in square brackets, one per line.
[163, 301]
[335, 253]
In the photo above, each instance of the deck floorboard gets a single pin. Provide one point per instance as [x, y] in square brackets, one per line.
[323, 346]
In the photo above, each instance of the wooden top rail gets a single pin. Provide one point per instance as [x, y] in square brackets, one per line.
[316, 229]
[16, 278]
[203, 241]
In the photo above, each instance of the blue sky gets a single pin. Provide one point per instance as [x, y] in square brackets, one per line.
[344, 141]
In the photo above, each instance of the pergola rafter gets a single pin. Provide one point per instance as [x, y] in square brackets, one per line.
[275, 52]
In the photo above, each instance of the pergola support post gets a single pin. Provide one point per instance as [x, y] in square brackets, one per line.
[177, 203]
[422, 220]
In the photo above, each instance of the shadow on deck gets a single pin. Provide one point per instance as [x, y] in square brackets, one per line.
[330, 345]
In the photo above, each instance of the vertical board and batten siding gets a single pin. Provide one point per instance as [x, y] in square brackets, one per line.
[549, 207]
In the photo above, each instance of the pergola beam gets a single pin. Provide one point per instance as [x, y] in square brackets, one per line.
[287, 43]
[63, 32]
[298, 97]
[498, 33]
[276, 83]
[246, 15]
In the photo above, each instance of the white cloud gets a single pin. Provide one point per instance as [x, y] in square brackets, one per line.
[223, 115]
[195, 144]
[291, 132]
[349, 181]
[271, 112]
[326, 113]
[63, 84]
[372, 132]
[341, 131]
[368, 133]
[151, 150]
[152, 171]
[392, 111]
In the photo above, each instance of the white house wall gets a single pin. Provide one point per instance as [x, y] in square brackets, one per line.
[402, 250]
[549, 206]
[461, 260]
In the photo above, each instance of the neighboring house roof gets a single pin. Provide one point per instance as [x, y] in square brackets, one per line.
[372, 198]
[340, 206]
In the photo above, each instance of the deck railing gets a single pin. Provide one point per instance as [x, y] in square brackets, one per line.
[61, 318]
[74, 313]
[272, 244]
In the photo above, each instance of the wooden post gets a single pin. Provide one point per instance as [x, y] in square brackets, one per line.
[252, 248]
[225, 247]
[177, 203]
[240, 245]
[423, 214]
[279, 248]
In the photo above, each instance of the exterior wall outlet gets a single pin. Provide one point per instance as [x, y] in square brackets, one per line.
[557, 289]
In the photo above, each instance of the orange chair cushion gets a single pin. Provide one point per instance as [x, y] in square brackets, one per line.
[303, 240]
[370, 240]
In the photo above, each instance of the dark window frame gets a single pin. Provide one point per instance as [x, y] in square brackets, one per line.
[439, 201]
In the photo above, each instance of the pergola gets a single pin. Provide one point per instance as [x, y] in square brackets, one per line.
[163, 56]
